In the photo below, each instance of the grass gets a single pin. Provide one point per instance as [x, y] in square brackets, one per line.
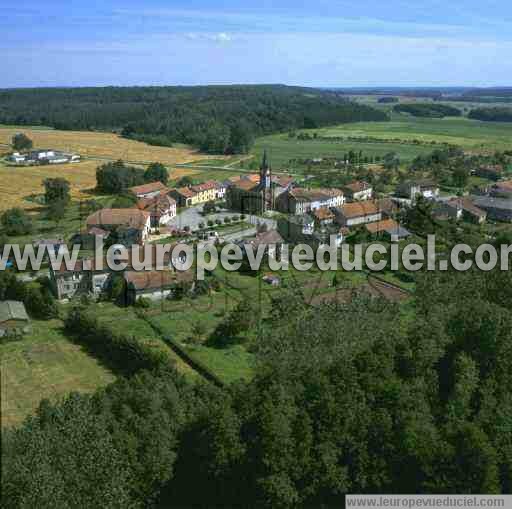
[45, 364]
[125, 321]
[472, 135]
[281, 149]
[177, 318]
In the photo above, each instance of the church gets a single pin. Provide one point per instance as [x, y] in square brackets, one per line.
[255, 198]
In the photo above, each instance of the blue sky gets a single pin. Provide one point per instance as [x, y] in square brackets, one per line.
[314, 43]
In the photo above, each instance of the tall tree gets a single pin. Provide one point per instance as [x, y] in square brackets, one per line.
[156, 172]
[21, 141]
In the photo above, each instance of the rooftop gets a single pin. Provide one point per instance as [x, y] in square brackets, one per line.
[132, 218]
[148, 188]
[12, 310]
[358, 209]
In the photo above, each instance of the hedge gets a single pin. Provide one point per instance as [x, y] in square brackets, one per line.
[122, 353]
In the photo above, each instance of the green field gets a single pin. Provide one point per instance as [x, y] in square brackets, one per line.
[45, 364]
[472, 135]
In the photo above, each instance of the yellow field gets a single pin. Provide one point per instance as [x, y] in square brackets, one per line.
[17, 183]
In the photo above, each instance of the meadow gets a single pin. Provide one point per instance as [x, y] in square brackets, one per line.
[472, 135]
[45, 364]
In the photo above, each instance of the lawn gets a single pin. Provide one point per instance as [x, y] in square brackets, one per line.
[45, 364]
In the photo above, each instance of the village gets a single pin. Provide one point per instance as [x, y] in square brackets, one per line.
[258, 208]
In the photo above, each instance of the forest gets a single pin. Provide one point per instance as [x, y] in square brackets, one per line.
[498, 114]
[428, 110]
[217, 119]
[360, 397]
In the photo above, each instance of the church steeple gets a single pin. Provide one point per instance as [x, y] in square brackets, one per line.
[265, 172]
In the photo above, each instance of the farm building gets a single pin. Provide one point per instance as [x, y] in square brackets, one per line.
[43, 156]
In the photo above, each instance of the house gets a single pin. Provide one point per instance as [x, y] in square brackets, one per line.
[412, 189]
[302, 230]
[356, 213]
[498, 209]
[296, 229]
[81, 279]
[267, 239]
[14, 320]
[282, 182]
[501, 189]
[184, 196]
[87, 277]
[467, 210]
[161, 207]
[154, 285]
[136, 223]
[299, 200]
[389, 228]
[357, 191]
[220, 189]
[149, 190]
[491, 171]
[388, 206]
[323, 216]
[207, 191]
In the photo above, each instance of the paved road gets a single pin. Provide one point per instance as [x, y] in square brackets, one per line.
[192, 216]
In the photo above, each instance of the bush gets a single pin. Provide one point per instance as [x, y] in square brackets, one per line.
[218, 222]
[227, 220]
[235, 218]
[209, 223]
[142, 303]
[16, 222]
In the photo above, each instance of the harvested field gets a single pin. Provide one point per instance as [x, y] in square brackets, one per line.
[19, 183]
[104, 145]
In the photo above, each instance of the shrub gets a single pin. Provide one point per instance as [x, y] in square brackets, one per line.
[142, 303]
[16, 222]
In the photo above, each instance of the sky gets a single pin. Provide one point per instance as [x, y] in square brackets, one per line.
[319, 43]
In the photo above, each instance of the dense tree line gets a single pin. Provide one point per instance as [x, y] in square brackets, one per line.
[498, 114]
[215, 118]
[348, 398]
[428, 110]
